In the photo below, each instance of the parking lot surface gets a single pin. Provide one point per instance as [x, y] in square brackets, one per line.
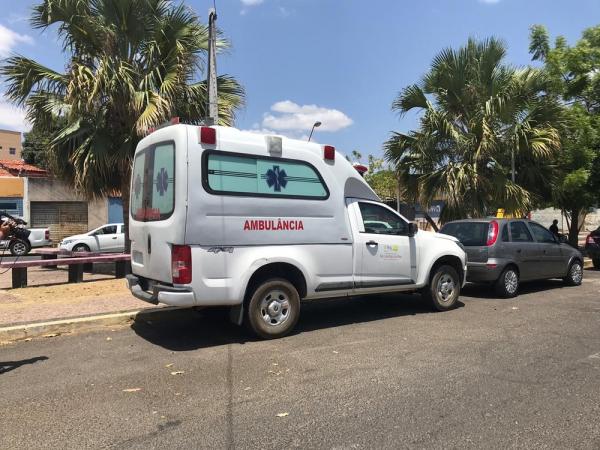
[371, 372]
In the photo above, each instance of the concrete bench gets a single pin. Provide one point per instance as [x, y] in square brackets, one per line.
[75, 264]
[55, 253]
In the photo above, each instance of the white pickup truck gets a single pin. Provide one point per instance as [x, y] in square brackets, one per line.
[257, 222]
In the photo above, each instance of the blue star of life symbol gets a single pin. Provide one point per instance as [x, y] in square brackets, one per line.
[162, 181]
[276, 178]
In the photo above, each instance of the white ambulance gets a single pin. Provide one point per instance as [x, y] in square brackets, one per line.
[224, 217]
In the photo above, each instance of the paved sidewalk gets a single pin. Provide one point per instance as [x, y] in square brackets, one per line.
[63, 301]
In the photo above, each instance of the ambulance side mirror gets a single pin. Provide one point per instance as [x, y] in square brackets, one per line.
[412, 229]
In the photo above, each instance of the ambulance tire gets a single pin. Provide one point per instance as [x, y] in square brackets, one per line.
[444, 288]
[272, 309]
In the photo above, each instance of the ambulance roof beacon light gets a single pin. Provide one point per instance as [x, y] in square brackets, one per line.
[274, 145]
[329, 152]
[208, 136]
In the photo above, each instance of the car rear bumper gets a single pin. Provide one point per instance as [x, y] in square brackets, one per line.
[592, 251]
[483, 272]
[159, 293]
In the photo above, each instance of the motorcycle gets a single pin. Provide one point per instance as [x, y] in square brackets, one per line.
[17, 239]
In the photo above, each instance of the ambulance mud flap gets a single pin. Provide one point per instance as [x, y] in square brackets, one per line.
[236, 314]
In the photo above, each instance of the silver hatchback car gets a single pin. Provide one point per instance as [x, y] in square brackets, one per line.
[507, 251]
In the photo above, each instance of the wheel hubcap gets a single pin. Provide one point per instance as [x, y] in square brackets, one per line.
[19, 248]
[445, 288]
[275, 307]
[511, 282]
[576, 273]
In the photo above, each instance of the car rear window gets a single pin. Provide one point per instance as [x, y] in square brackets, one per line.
[470, 234]
[153, 183]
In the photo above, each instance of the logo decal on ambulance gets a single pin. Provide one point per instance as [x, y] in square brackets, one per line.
[162, 181]
[276, 178]
[273, 225]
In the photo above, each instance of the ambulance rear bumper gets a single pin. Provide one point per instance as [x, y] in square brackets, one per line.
[156, 293]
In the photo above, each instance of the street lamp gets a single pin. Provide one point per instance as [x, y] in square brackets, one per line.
[315, 125]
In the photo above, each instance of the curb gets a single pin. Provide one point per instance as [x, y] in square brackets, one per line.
[83, 324]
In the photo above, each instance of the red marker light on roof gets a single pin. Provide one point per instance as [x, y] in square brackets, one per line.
[174, 120]
[361, 169]
[329, 152]
[208, 136]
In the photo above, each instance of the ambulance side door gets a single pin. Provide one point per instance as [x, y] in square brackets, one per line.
[384, 254]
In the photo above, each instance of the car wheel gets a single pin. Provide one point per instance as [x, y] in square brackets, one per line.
[575, 274]
[444, 288]
[81, 248]
[507, 285]
[596, 262]
[273, 309]
[19, 247]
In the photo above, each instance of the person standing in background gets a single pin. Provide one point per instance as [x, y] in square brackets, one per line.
[554, 227]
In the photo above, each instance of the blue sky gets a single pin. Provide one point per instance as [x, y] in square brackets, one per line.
[338, 61]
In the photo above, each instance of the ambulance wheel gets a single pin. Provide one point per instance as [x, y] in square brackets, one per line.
[273, 309]
[444, 288]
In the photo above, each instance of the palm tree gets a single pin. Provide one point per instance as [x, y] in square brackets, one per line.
[133, 64]
[477, 116]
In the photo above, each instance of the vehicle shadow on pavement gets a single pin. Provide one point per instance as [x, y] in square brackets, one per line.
[211, 327]
[487, 291]
[7, 366]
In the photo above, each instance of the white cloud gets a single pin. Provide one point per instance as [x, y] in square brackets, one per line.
[489, 2]
[289, 116]
[10, 39]
[12, 118]
[251, 2]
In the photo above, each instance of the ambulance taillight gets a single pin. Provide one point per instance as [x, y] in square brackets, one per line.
[208, 136]
[181, 264]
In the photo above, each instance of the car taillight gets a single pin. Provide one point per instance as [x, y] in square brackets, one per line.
[47, 235]
[181, 264]
[492, 233]
[590, 240]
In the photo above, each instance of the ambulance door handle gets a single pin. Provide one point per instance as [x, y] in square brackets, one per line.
[372, 244]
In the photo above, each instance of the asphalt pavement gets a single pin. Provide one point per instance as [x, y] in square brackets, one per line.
[372, 372]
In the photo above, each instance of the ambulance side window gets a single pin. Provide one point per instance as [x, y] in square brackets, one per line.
[229, 173]
[380, 220]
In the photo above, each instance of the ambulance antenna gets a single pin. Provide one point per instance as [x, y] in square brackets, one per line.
[211, 78]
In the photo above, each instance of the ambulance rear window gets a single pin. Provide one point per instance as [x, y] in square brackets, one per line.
[153, 183]
[246, 175]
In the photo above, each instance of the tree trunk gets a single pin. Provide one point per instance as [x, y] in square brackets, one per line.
[574, 228]
[125, 192]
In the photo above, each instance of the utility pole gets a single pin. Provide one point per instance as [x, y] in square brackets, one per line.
[512, 164]
[211, 79]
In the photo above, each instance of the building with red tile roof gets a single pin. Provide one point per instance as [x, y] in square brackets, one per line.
[19, 168]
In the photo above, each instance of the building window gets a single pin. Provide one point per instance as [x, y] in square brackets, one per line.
[12, 151]
[5, 206]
